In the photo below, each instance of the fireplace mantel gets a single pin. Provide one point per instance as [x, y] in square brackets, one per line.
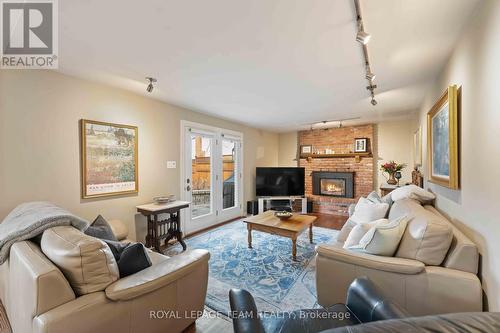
[340, 140]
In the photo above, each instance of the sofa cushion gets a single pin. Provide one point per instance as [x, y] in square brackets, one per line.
[86, 262]
[427, 237]
[120, 229]
[463, 254]
[382, 239]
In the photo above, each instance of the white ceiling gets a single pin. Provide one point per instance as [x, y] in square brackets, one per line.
[272, 64]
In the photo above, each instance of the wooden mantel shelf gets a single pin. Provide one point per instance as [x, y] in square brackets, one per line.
[355, 155]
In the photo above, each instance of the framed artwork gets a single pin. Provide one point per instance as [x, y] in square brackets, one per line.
[442, 139]
[361, 145]
[417, 147]
[108, 159]
[306, 149]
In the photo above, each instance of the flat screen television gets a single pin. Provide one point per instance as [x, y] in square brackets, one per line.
[274, 182]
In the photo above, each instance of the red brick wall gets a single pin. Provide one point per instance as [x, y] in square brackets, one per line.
[340, 140]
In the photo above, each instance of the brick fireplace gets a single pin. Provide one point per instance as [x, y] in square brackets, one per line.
[337, 179]
[334, 184]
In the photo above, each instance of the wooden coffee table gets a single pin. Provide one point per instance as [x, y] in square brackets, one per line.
[291, 228]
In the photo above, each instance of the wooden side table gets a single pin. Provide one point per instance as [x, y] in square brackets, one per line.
[165, 229]
[387, 188]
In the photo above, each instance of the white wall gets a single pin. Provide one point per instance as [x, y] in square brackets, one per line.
[395, 142]
[287, 154]
[39, 143]
[475, 208]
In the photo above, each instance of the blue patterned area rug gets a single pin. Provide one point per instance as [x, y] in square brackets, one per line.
[276, 281]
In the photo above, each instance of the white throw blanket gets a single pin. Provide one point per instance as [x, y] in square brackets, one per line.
[29, 220]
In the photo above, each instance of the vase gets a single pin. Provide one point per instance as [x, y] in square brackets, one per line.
[392, 180]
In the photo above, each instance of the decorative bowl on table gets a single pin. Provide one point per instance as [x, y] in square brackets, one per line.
[164, 199]
[283, 215]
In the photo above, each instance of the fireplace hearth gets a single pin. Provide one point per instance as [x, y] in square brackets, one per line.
[334, 184]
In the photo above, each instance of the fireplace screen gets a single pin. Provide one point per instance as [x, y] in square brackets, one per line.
[334, 187]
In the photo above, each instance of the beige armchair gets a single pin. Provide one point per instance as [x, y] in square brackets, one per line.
[38, 297]
[423, 289]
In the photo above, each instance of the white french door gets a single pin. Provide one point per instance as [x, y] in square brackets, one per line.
[211, 175]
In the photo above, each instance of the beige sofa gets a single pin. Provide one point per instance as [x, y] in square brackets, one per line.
[38, 297]
[449, 284]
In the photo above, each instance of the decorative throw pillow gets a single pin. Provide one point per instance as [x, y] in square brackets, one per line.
[133, 259]
[116, 248]
[346, 230]
[412, 192]
[367, 211]
[382, 239]
[375, 197]
[101, 229]
[359, 230]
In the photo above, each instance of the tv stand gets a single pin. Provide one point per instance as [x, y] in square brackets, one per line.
[262, 200]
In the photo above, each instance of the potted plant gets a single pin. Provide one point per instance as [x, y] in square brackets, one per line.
[391, 168]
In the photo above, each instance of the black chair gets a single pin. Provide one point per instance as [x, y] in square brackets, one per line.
[365, 303]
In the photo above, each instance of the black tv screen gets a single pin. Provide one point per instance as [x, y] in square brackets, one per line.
[273, 182]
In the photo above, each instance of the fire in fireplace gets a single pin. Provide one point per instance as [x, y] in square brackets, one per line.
[334, 187]
[336, 184]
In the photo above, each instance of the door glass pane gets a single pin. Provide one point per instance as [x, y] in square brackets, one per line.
[201, 178]
[229, 172]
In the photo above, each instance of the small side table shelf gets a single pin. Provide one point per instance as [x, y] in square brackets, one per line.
[387, 188]
[165, 229]
[292, 199]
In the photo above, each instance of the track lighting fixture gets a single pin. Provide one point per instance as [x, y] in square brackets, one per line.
[325, 124]
[372, 88]
[363, 37]
[370, 76]
[150, 86]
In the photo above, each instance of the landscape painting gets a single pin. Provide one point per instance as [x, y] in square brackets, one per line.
[443, 139]
[417, 147]
[109, 159]
[441, 143]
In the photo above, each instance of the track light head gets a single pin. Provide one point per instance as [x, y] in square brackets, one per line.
[370, 76]
[363, 37]
[150, 86]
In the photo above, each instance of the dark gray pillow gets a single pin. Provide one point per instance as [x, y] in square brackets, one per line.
[130, 257]
[133, 259]
[116, 247]
[101, 229]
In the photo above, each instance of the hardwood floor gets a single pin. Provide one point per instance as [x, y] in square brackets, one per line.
[329, 221]
[211, 322]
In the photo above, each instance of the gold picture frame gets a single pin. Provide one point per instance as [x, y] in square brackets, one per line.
[109, 159]
[443, 139]
[417, 147]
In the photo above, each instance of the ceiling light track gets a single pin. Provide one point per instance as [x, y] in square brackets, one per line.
[364, 38]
